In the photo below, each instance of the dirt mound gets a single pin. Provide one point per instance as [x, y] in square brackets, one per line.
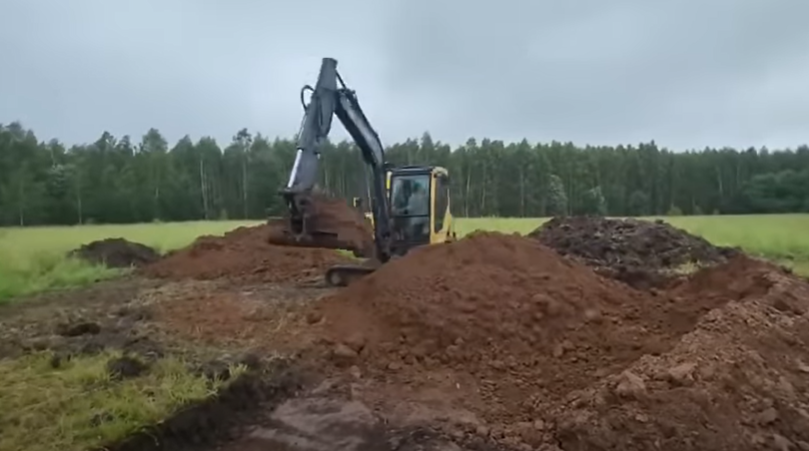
[737, 382]
[547, 353]
[527, 324]
[338, 226]
[116, 253]
[640, 253]
[244, 254]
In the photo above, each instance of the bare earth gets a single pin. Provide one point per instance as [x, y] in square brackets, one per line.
[493, 342]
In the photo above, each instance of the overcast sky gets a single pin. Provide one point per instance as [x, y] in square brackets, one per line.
[686, 73]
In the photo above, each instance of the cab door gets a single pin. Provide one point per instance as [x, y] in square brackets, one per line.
[440, 219]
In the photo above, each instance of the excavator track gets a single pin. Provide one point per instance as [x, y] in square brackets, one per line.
[344, 275]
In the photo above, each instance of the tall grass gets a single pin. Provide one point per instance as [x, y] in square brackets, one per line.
[33, 259]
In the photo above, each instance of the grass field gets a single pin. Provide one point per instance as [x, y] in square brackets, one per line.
[33, 258]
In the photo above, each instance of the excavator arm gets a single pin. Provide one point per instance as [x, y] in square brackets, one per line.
[331, 97]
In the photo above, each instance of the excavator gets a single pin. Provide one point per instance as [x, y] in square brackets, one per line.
[409, 205]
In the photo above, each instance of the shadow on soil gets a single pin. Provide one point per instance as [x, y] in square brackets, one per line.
[270, 410]
[219, 419]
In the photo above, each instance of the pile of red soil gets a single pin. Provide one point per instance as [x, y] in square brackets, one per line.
[244, 254]
[116, 253]
[522, 331]
[333, 224]
[738, 381]
[640, 253]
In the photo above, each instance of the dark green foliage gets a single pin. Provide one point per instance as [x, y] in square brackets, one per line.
[114, 180]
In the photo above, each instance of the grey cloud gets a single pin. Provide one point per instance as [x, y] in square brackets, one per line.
[677, 72]
[686, 73]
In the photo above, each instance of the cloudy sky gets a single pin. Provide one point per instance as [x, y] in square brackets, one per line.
[686, 73]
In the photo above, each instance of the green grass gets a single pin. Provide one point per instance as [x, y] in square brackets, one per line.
[78, 406]
[33, 258]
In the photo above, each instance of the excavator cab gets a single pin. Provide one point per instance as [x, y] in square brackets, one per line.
[420, 210]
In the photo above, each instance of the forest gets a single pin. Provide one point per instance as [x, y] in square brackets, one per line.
[125, 180]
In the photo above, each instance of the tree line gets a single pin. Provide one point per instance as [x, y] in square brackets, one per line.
[119, 180]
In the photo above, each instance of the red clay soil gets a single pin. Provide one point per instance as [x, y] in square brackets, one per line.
[244, 254]
[258, 318]
[534, 329]
[738, 381]
[346, 227]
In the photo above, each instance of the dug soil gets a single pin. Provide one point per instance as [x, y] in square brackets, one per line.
[539, 350]
[116, 253]
[503, 341]
[332, 224]
[245, 255]
[105, 316]
[640, 253]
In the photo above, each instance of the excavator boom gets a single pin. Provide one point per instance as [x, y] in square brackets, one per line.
[330, 97]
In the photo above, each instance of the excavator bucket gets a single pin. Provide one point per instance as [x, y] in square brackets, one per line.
[326, 222]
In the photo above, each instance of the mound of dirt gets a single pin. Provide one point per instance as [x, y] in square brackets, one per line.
[116, 253]
[529, 326]
[339, 226]
[640, 253]
[736, 382]
[244, 254]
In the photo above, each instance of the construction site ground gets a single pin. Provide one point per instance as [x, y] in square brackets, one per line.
[630, 336]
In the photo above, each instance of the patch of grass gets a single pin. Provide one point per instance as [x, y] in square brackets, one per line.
[34, 257]
[161, 236]
[79, 406]
[22, 273]
[776, 237]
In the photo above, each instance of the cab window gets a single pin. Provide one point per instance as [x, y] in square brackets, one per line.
[410, 195]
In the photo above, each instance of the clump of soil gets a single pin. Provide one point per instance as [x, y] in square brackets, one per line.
[78, 329]
[518, 331]
[116, 253]
[640, 253]
[332, 224]
[244, 254]
[126, 366]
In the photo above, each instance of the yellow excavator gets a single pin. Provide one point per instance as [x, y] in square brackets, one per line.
[441, 225]
[409, 205]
